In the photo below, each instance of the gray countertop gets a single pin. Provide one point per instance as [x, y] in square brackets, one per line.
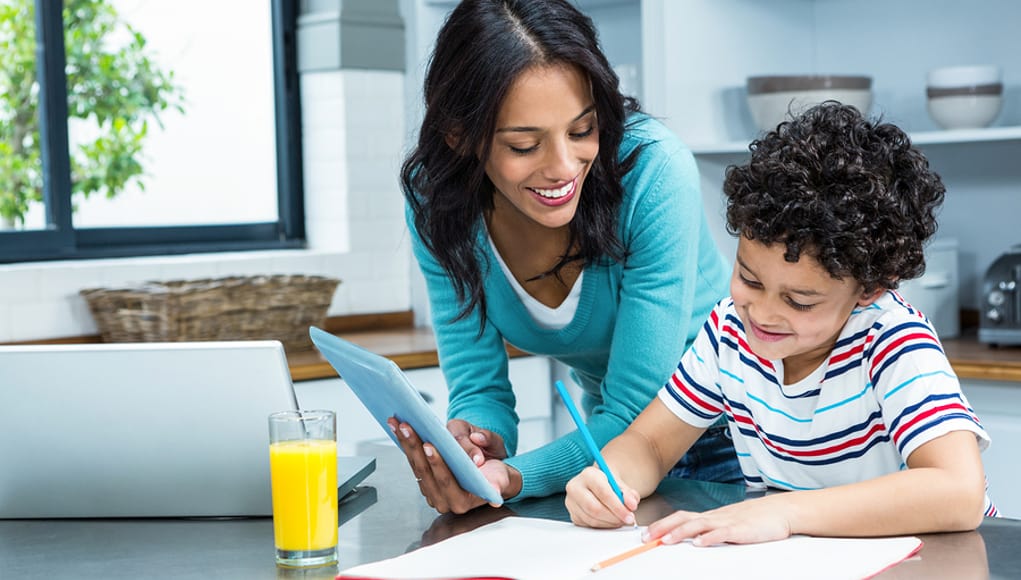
[384, 518]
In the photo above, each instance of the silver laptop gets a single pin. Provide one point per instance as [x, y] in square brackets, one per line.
[141, 430]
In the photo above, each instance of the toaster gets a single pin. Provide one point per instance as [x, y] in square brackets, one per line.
[1000, 311]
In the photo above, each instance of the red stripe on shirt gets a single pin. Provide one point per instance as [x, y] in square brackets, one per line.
[743, 344]
[849, 353]
[878, 359]
[922, 416]
[831, 450]
[691, 396]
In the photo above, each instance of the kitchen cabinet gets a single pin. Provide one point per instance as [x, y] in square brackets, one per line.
[355, 424]
[696, 54]
[692, 57]
[998, 406]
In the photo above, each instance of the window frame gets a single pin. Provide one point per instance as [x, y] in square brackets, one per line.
[60, 240]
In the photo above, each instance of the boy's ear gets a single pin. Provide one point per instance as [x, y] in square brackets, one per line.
[868, 298]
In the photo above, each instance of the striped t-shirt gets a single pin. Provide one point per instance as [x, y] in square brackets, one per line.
[886, 389]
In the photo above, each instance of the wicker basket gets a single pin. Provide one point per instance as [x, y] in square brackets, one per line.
[235, 308]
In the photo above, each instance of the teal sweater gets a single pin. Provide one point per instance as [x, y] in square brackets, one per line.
[634, 319]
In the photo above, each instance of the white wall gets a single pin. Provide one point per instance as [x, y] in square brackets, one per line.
[354, 216]
[354, 206]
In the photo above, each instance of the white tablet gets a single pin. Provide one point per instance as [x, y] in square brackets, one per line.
[386, 392]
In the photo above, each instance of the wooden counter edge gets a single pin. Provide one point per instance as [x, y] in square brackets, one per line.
[985, 371]
[308, 365]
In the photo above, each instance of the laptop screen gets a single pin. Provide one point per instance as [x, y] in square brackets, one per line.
[144, 429]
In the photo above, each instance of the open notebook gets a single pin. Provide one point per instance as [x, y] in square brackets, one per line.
[563, 551]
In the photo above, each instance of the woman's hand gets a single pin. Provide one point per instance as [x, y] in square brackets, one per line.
[480, 444]
[592, 502]
[435, 480]
[751, 521]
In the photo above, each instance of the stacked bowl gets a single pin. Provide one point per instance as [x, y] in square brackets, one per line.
[964, 97]
[774, 99]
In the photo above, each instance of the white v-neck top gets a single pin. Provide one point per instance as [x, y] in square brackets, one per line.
[544, 316]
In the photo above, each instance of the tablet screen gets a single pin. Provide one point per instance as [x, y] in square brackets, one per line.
[386, 392]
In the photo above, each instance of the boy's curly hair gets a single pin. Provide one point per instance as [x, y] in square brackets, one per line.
[853, 194]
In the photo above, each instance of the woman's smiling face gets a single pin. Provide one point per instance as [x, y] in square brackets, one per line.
[546, 139]
[791, 311]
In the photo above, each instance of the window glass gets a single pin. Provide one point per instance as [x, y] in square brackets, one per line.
[192, 140]
[145, 127]
[20, 159]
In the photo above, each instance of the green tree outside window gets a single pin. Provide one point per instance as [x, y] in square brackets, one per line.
[113, 87]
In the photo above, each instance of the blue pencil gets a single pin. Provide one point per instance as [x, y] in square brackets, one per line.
[589, 441]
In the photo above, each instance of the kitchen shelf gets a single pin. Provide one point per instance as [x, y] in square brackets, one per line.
[924, 138]
[955, 136]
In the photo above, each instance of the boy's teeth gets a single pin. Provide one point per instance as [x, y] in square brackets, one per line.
[554, 193]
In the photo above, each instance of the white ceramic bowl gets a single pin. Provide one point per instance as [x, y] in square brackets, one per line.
[965, 111]
[774, 99]
[964, 97]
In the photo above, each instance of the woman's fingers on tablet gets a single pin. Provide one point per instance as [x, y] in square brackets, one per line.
[434, 492]
[449, 492]
[491, 443]
[411, 445]
[462, 432]
[435, 480]
[418, 456]
[439, 480]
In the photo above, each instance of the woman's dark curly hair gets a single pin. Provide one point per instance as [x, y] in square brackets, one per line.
[853, 194]
[481, 50]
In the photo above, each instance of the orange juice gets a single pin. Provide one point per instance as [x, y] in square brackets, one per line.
[304, 479]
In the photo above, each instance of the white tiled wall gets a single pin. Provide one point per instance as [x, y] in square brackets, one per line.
[354, 205]
[354, 220]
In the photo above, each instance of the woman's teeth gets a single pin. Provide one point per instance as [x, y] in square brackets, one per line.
[555, 193]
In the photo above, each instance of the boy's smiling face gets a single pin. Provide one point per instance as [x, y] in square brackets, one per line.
[791, 311]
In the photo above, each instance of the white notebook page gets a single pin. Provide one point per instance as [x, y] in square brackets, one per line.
[538, 549]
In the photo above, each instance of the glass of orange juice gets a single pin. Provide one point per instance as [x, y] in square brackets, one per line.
[303, 474]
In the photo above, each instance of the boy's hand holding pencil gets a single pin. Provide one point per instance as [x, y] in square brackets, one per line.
[592, 501]
[612, 508]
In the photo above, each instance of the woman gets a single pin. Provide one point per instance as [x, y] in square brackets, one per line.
[547, 212]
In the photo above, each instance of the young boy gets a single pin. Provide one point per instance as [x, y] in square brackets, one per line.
[833, 386]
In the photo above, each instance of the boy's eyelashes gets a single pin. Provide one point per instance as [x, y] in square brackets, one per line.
[750, 283]
[798, 305]
[790, 302]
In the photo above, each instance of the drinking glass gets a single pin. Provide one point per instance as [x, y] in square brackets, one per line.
[303, 474]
